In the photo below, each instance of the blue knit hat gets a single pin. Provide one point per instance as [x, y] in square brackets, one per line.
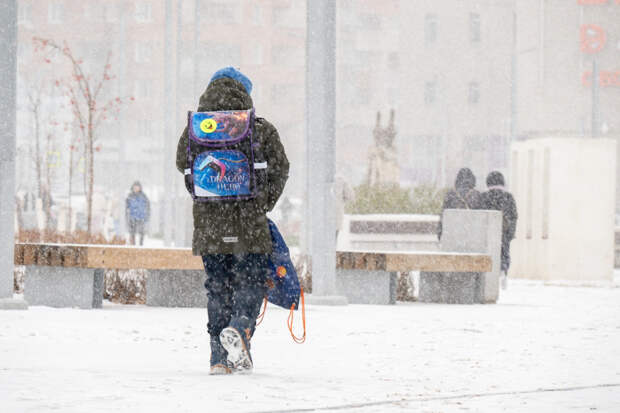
[233, 73]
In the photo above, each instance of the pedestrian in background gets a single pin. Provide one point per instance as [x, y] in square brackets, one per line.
[137, 213]
[463, 196]
[497, 198]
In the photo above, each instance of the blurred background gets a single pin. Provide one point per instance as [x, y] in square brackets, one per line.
[443, 83]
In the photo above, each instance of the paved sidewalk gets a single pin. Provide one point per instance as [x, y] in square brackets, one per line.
[541, 349]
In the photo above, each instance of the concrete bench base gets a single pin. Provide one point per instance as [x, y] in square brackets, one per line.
[63, 287]
[367, 287]
[451, 287]
[176, 288]
[13, 304]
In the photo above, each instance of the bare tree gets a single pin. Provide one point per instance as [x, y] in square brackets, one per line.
[40, 155]
[85, 93]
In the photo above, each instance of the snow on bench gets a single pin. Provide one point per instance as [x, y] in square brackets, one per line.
[71, 275]
[393, 232]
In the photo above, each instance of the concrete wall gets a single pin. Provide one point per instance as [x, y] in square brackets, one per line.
[389, 232]
[565, 194]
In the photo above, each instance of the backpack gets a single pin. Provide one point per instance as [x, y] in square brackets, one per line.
[284, 289]
[220, 155]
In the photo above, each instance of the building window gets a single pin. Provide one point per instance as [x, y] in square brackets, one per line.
[257, 15]
[393, 60]
[55, 12]
[145, 128]
[143, 12]
[24, 11]
[89, 11]
[141, 89]
[142, 52]
[291, 56]
[426, 159]
[256, 54]
[110, 13]
[223, 12]
[496, 147]
[282, 92]
[430, 28]
[430, 91]
[474, 27]
[474, 93]
[289, 16]
[215, 55]
[370, 21]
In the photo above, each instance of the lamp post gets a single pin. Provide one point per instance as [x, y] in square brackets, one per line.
[321, 149]
[8, 91]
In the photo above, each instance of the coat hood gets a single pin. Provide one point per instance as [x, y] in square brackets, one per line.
[495, 178]
[465, 180]
[225, 93]
[138, 184]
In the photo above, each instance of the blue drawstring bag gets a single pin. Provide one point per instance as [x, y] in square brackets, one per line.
[284, 288]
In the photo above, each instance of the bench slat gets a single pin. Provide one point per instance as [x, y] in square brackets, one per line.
[94, 256]
[143, 258]
[29, 255]
[122, 257]
[440, 263]
[422, 261]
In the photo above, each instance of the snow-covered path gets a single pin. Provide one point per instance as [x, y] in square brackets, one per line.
[541, 349]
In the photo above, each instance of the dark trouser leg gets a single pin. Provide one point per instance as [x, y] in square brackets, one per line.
[505, 256]
[249, 289]
[132, 231]
[219, 291]
[140, 224]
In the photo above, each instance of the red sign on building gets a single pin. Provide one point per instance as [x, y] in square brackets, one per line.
[606, 78]
[593, 38]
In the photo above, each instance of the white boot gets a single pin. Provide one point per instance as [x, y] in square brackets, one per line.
[504, 280]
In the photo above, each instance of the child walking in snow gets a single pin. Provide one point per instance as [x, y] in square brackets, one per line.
[235, 175]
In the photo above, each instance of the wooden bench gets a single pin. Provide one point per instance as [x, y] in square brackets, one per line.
[371, 277]
[465, 270]
[64, 275]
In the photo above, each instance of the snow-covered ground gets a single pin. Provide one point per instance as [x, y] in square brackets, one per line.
[541, 349]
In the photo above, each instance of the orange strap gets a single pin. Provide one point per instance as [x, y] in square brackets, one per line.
[302, 339]
[261, 316]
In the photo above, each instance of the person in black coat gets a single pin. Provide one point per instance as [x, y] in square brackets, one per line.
[497, 198]
[463, 196]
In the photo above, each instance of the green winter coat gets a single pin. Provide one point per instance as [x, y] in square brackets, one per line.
[242, 223]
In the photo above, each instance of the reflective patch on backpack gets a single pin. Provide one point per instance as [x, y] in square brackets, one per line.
[230, 239]
[219, 128]
[221, 173]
